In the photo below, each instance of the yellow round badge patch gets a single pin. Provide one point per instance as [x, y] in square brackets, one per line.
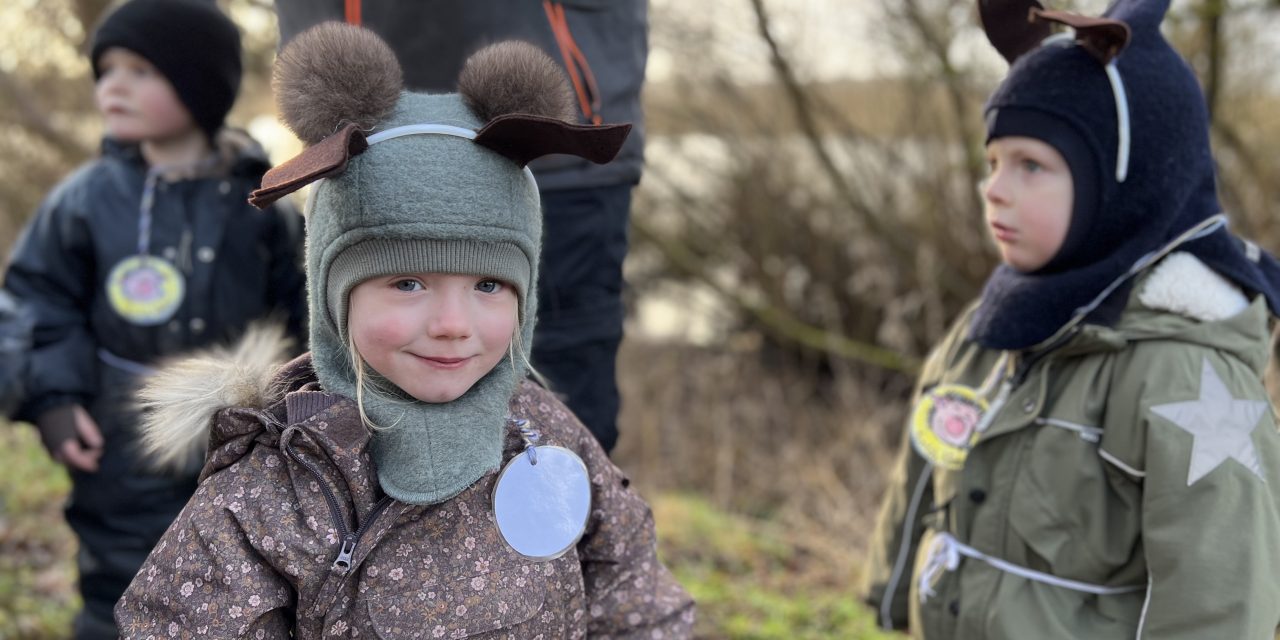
[145, 290]
[944, 424]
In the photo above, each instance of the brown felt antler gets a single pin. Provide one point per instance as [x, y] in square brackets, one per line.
[326, 158]
[522, 138]
[1103, 38]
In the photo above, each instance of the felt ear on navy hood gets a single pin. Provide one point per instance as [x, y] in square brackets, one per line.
[1009, 26]
[1015, 27]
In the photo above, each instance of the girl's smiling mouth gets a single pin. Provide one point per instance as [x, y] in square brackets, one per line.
[442, 362]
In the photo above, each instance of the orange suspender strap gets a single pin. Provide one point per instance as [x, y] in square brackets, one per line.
[352, 11]
[584, 82]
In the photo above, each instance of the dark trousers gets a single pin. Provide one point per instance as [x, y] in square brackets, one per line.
[580, 309]
[117, 520]
[118, 514]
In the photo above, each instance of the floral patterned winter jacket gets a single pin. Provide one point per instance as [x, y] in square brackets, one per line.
[289, 533]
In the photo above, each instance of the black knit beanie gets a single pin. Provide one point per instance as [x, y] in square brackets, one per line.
[191, 42]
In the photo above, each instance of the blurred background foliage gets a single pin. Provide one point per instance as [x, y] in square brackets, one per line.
[807, 226]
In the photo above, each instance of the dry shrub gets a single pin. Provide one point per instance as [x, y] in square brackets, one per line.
[805, 449]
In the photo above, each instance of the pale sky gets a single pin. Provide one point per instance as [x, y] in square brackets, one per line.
[837, 39]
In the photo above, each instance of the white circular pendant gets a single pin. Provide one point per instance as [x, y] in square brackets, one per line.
[542, 501]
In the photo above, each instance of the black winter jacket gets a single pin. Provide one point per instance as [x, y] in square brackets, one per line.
[239, 264]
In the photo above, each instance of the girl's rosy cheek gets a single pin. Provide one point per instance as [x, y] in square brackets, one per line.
[391, 329]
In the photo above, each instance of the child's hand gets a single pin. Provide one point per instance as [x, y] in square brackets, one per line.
[72, 437]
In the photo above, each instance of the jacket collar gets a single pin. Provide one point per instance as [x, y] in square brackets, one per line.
[1182, 299]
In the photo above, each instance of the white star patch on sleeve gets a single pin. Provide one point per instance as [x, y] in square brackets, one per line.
[1221, 426]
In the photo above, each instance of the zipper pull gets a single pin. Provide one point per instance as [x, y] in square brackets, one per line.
[343, 562]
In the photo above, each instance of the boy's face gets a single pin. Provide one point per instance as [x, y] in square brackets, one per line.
[1028, 196]
[136, 101]
[433, 335]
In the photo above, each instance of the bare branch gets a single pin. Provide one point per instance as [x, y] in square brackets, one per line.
[777, 319]
[938, 46]
[899, 244]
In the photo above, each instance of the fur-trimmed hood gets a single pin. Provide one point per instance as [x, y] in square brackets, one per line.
[180, 401]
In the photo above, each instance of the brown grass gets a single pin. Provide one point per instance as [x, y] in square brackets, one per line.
[806, 450]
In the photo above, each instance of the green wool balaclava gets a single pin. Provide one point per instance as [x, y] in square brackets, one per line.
[416, 183]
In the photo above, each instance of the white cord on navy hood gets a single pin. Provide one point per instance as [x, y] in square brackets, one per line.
[1123, 128]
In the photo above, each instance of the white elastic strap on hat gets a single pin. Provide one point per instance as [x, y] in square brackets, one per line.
[1122, 120]
[945, 553]
[411, 130]
[433, 129]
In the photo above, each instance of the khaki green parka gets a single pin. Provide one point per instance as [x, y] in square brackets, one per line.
[1140, 461]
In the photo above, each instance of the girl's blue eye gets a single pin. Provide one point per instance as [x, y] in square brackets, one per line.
[1031, 166]
[488, 286]
[407, 285]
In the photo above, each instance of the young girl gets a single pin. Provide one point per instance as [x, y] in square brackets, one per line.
[1091, 452]
[403, 480]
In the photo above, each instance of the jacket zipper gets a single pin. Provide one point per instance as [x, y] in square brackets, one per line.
[346, 552]
[342, 563]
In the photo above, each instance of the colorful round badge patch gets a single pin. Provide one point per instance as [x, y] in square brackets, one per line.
[944, 424]
[145, 290]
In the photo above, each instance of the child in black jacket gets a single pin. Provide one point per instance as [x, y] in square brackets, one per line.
[147, 251]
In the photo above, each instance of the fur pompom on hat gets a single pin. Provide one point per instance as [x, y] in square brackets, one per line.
[335, 75]
[515, 77]
[419, 183]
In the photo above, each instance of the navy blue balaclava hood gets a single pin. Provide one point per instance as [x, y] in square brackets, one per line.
[1164, 187]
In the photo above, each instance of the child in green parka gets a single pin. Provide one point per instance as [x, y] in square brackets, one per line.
[1091, 452]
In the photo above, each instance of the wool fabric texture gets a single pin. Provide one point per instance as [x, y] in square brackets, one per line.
[191, 42]
[1170, 186]
[424, 203]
